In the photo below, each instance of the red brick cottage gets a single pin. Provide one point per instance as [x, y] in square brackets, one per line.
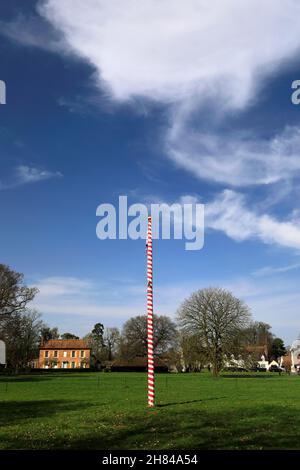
[64, 354]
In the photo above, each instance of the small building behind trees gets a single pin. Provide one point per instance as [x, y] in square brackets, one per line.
[138, 364]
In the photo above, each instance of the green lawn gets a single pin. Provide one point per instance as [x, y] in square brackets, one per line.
[107, 411]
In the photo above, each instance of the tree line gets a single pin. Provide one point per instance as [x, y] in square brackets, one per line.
[211, 326]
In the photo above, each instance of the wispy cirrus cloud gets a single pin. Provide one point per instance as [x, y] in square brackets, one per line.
[229, 213]
[32, 30]
[236, 158]
[24, 174]
[94, 300]
[274, 270]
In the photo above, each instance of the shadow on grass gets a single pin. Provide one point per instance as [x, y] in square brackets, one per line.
[163, 405]
[15, 412]
[269, 427]
[250, 376]
[245, 427]
[11, 379]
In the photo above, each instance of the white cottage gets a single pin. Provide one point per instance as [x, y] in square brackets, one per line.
[295, 355]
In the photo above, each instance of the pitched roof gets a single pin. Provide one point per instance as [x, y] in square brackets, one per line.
[65, 344]
[259, 349]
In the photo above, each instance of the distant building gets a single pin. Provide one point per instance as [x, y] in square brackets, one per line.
[64, 354]
[295, 356]
[260, 354]
[291, 361]
[137, 364]
[252, 354]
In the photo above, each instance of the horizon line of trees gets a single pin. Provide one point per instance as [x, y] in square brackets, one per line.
[211, 325]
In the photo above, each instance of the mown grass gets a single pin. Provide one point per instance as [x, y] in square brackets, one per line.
[108, 411]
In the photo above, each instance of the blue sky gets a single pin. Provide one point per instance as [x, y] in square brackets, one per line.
[157, 102]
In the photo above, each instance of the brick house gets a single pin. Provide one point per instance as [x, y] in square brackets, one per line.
[64, 354]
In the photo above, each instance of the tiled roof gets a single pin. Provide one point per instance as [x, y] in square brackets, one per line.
[65, 344]
[258, 349]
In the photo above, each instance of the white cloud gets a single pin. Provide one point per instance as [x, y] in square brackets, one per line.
[86, 297]
[271, 270]
[236, 159]
[58, 286]
[172, 50]
[228, 213]
[112, 301]
[24, 174]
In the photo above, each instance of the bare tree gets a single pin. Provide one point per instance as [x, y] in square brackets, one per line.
[95, 341]
[259, 334]
[48, 333]
[14, 296]
[21, 333]
[217, 318]
[111, 338]
[134, 335]
[194, 355]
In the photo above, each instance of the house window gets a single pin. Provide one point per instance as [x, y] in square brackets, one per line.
[55, 353]
[82, 365]
[81, 353]
[65, 353]
[73, 365]
[46, 353]
[73, 353]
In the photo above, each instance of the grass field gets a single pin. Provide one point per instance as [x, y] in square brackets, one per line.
[107, 411]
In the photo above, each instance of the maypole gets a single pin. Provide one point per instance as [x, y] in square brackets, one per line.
[150, 316]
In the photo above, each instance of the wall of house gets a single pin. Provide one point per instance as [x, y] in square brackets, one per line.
[64, 358]
[295, 357]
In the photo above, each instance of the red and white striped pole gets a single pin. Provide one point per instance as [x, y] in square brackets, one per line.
[150, 316]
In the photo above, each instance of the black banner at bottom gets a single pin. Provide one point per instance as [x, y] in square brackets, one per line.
[135, 459]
